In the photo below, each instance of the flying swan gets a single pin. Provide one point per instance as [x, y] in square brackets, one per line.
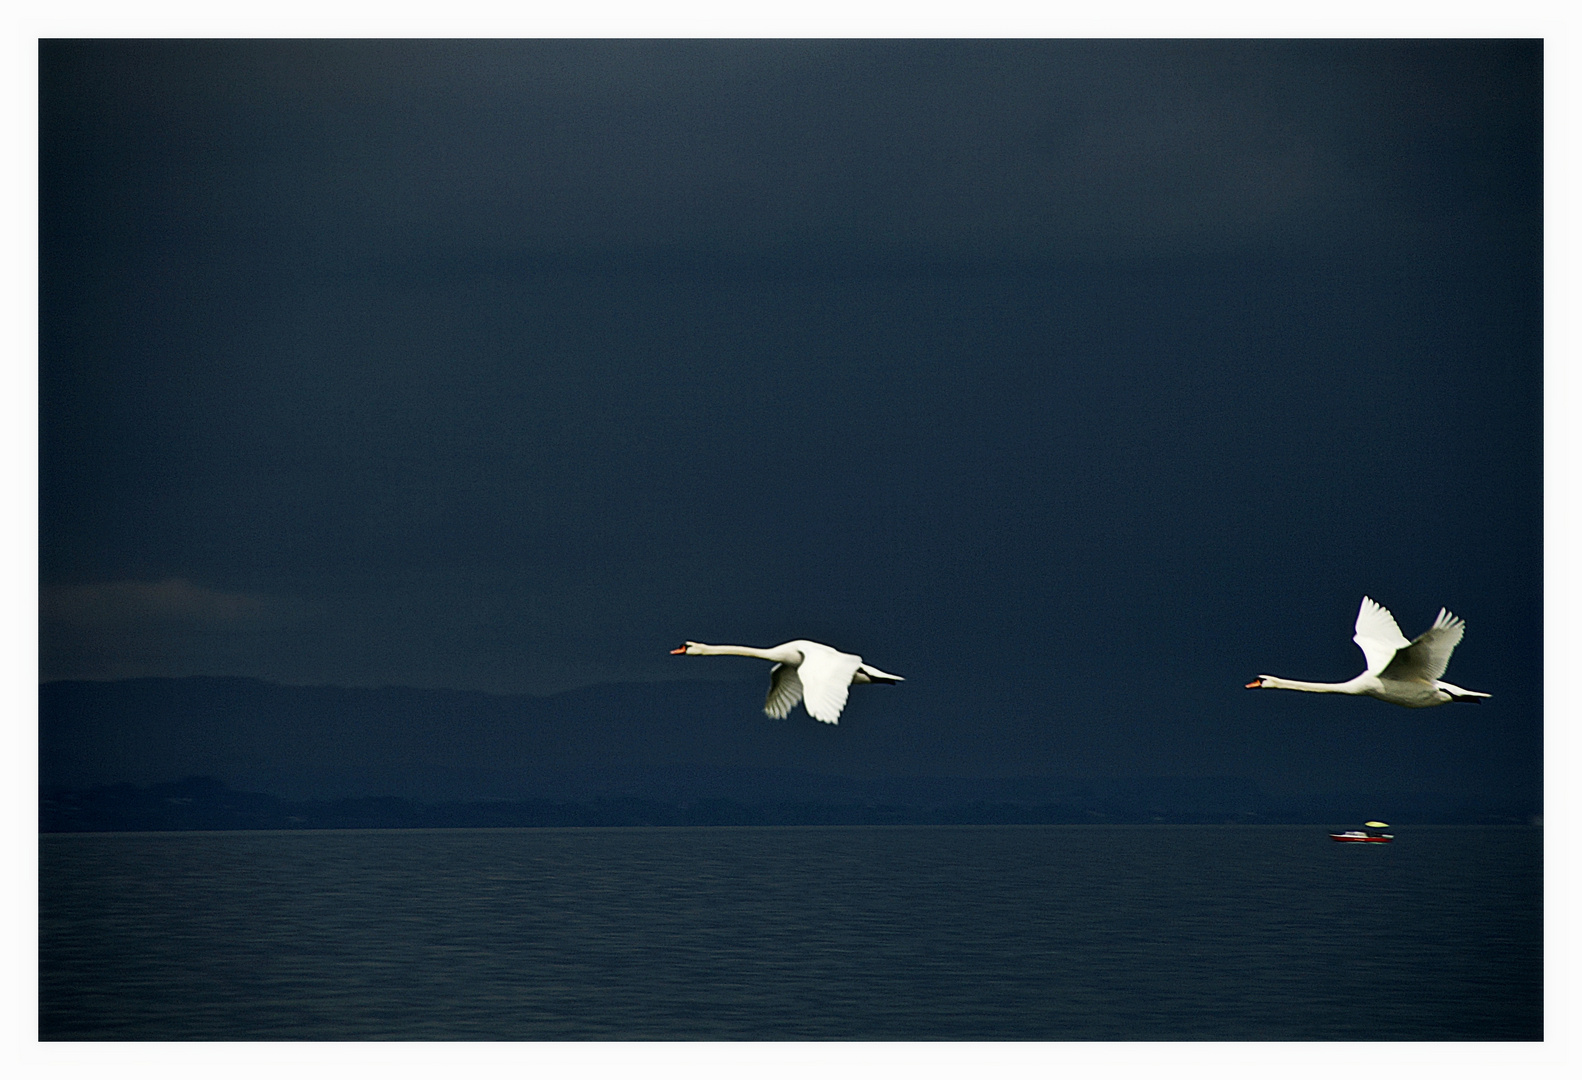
[805, 671]
[1399, 671]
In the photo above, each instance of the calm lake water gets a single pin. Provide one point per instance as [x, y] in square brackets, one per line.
[965, 933]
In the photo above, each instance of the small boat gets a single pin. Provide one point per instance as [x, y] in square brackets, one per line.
[1365, 835]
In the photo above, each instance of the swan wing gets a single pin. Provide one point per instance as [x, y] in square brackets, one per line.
[826, 680]
[1428, 656]
[1377, 635]
[785, 690]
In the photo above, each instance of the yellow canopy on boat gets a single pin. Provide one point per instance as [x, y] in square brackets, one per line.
[1375, 824]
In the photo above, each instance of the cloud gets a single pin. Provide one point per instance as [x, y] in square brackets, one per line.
[171, 627]
[117, 603]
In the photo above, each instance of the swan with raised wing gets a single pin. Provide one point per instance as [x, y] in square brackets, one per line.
[1399, 671]
[805, 671]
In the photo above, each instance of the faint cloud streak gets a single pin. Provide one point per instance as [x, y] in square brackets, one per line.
[116, 603]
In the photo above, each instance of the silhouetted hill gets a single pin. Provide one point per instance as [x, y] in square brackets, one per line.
[327, 742]
[676, 753]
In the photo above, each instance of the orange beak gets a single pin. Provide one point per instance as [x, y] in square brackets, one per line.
[1255, 684]
[678, 652]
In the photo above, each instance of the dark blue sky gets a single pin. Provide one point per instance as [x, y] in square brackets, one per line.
[1078, 382]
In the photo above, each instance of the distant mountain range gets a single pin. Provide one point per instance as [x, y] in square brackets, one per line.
[242, 753]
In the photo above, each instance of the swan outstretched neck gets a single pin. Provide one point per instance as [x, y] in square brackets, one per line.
[1273, 683]
[1399, 671]
[779, 654]
[805, 671]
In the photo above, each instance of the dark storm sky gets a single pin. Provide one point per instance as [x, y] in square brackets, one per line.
[1077, 382]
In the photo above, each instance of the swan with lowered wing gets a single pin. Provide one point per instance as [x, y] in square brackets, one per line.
[805, 671]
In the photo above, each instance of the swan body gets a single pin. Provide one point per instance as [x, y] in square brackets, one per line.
[805, 671]
[1399, 671]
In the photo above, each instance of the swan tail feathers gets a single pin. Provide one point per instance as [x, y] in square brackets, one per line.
[869, 673]
[1458, 693]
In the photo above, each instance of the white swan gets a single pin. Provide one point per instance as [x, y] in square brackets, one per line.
[804, 671]
[1399, 671]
